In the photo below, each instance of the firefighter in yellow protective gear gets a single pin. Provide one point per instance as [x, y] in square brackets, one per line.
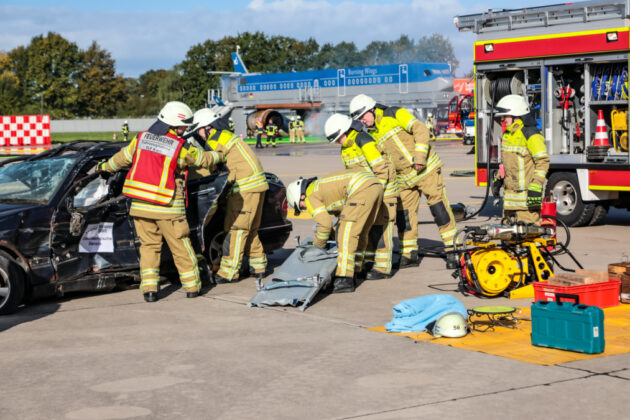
[418, 171]
[245, 198]
[359, 150]
[292, 129]
[272, 133]
[159, 159]
[125, 130]
[430, 123]
[259, 132]
[525, 161]
[354, 196]
[299, 130]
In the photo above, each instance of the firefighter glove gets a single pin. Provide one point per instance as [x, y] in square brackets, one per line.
[101, 168]
[497, 183]
[534, 195]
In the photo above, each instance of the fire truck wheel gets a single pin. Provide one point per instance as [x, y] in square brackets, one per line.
[599, 215]
[569, 205]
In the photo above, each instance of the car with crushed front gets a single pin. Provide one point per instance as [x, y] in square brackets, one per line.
[65, 228]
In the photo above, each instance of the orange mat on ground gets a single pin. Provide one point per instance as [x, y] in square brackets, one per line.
[515, 343]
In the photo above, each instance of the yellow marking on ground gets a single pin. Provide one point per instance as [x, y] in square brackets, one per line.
[516, 343]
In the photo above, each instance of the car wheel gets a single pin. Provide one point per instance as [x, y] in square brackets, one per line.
[11, 284]
[215, 250]
[570, 208]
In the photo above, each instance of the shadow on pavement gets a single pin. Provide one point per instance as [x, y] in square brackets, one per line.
[28, 313]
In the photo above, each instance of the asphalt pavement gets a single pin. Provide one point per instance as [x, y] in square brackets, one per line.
[113, 356]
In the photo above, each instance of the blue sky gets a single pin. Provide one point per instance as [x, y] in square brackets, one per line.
[142, 35]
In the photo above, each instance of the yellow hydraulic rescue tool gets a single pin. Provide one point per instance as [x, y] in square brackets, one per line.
[498, 258]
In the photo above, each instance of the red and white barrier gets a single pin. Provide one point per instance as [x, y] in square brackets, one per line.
[24, 130]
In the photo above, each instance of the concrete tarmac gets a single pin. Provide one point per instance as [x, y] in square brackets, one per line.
[113, 356]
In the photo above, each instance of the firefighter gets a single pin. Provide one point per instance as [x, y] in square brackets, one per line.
[245, 198]
[430, 123]
[272, 133]
[359, 150]
[231, 124]
[418, 172]
[292, 123]
[159, 158]
[299, 130]
[125, 130]
[259, 133]
[525, 161]
[353, 195]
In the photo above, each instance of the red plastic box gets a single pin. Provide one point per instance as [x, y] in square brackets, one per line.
[603, 295]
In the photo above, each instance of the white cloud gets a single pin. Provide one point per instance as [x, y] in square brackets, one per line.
[140, 41]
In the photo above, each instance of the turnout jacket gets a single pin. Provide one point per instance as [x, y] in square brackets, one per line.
[362, 152]
[246, 171]
[328, 196]
[406, 140]
[156, 182]
[525, 161]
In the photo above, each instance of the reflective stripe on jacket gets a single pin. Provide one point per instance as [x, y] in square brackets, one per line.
[188, 156]
[406, 140]
[246, 171]
[525, 161]
[361, 151]
[329, 194]
[152, 174]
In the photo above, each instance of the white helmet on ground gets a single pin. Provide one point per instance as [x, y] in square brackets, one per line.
[203, 118]
[514, 105]
[176, 114]
[451, 324]
[294, 193]
[361, 104]
[336, 126]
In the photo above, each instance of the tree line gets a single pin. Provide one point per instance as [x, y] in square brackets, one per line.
[54, 76]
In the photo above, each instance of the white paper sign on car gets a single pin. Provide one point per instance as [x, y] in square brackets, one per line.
[97, 237]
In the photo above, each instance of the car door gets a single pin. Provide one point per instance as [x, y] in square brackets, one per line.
[92, 233]
[204, 193]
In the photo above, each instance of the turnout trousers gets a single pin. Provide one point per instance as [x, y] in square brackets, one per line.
[175, 232]
[356, 219]
[433, 188]
[242, 220]
[524, 215]
[292, 135]
[380, 240]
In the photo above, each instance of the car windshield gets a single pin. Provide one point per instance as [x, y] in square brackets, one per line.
[33, 181]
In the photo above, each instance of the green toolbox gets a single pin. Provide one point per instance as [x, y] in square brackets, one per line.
[568, 325]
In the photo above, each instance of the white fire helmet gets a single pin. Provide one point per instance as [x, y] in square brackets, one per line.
[336, 126]
[360, 104]
[451, 324]
[514, 105]
[176, 114]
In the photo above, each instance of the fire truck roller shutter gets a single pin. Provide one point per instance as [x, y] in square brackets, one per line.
[501, 84]
[264, 115]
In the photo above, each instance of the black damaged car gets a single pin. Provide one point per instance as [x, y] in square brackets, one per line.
[63, 228]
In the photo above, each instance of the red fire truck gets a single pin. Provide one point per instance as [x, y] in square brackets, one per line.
[571, 62]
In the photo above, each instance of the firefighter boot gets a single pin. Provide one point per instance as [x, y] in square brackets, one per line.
[376, 275]
[150, 297]
[191, 295]
[343, 285]
[411, 261]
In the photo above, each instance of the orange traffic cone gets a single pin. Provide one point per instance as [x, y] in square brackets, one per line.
[601, 136]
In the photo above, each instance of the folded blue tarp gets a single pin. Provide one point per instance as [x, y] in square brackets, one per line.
[415, 314]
